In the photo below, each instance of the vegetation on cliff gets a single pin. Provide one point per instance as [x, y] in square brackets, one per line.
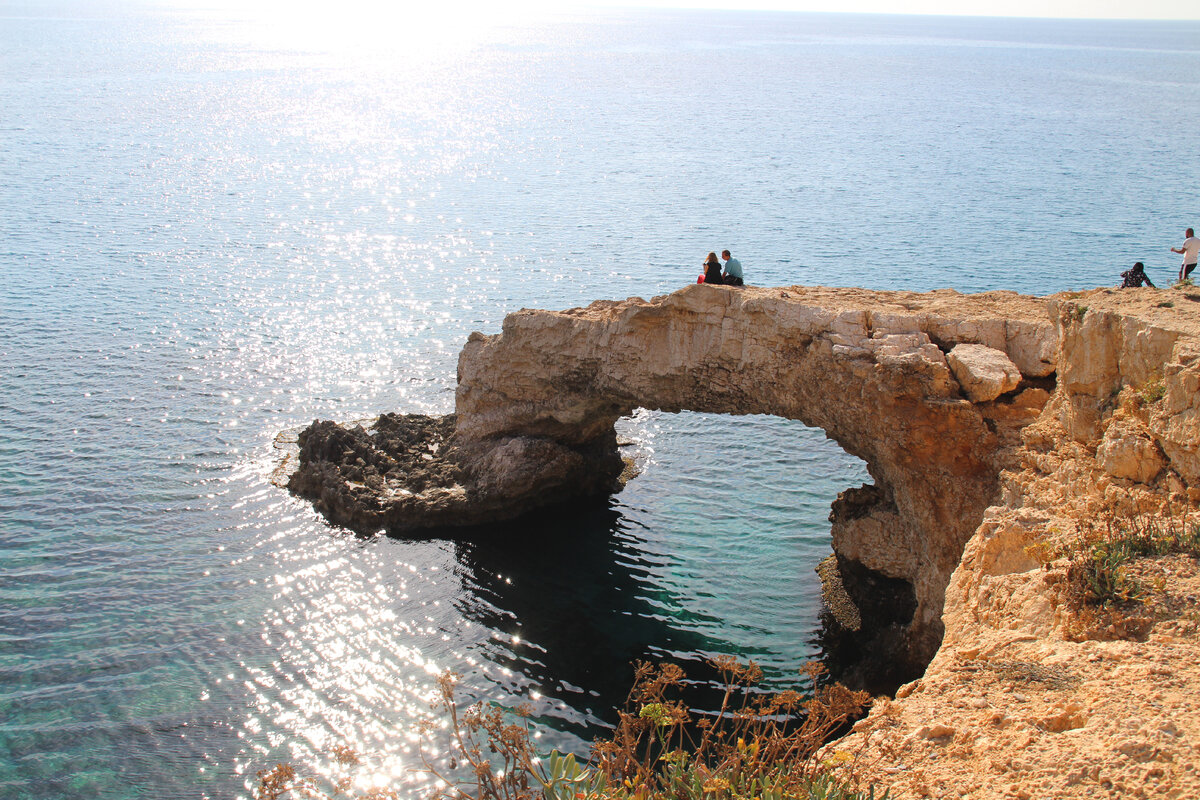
[1115, 585]
[757, 744]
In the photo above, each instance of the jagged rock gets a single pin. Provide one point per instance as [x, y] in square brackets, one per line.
[837, 599]
[863, 522]
[1128, 450]
[956, 541]
[984, 373]
[935, 731]
[1075, 702]
[435, 480]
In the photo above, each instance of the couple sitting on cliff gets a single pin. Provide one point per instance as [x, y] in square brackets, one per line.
[712, 270]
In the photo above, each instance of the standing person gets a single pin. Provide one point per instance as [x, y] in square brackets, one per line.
[1191, 247]
[733, 270]
[712, 270]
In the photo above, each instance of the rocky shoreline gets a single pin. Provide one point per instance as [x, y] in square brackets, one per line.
[996, 427]
[409, 473]
[1032, 692]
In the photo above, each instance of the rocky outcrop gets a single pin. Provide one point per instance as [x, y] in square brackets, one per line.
[410, 473]
[1038, 696]
[996, 427]
[984, 373]
[536, 405]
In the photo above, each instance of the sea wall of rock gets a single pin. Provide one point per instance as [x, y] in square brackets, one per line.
[1118, 439]
[1030, 694]
[996, 428]
[930, 390]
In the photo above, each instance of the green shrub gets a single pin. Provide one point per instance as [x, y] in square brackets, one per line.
[1104, 576]
[1153, 390]
[1100, 570]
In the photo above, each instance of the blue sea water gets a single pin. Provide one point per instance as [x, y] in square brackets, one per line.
[215, 227]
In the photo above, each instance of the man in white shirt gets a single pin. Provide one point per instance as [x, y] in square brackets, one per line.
[1189, 251]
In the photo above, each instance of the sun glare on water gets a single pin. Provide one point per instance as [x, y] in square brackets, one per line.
[415, 28]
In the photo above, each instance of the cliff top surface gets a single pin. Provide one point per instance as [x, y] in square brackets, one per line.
[1003, 432]
[1174, 308]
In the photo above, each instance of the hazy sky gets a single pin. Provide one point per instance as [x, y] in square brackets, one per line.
[499, 9]
[1123, 9]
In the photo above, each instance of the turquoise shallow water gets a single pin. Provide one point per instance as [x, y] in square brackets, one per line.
[214, 228]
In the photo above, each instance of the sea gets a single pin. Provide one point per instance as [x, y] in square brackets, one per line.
[218, 224]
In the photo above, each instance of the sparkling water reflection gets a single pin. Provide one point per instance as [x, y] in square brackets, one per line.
[550, 610]
[215, 229]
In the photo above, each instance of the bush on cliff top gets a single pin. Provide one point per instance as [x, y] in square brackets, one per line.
[758, 745]
[1099, 574]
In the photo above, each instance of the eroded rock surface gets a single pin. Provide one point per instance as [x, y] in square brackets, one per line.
[984, 373]
[1042, 697]
[536, 405]
[411, 473]
[950, 550]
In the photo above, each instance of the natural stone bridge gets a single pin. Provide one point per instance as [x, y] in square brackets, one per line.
[927, 389]
[1001, 432]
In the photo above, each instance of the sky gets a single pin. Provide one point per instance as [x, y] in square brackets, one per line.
[1102, 9]
[1086, 9]
[1079, 8]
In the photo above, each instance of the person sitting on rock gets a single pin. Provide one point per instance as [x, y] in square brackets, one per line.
[712, 270]
[733, 270]
[1135, 276]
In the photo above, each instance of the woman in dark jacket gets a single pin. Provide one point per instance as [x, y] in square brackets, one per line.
[1134, 277]
[712, 270]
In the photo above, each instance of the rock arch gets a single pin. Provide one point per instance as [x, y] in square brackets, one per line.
[869, 368]
[1118, 439]
[536, 406]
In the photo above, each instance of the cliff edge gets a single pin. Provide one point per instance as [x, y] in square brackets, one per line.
[1036, 692]
[998, 429]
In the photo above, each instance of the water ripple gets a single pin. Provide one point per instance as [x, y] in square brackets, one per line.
[215, 230]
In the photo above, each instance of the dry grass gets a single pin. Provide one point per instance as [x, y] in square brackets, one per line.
[1110, 591]
[758, 744]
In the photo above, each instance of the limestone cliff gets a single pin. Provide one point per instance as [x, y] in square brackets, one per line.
[1030, 695]
[929, 390]
[869, 368]
[993, 425]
